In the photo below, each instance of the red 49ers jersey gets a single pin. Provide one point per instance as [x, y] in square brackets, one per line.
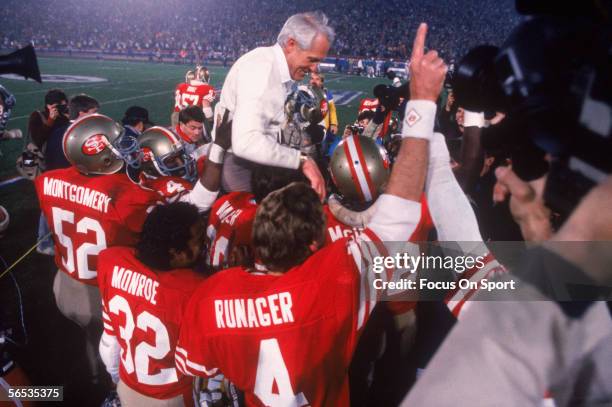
[336, 230]
[192, 95]
[170, 189]
[143, 309]
[229, 225]
[368, 104]
[282, 339]
[90, 213]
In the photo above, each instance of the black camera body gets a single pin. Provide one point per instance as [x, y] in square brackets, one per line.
[390, 96]
[356, 129]
[62, 108]
[553, 79]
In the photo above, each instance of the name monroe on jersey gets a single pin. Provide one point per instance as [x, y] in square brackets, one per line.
[88, 197]
[134, 283]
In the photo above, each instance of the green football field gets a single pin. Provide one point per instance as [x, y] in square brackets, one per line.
[52, 338]
[125, 84]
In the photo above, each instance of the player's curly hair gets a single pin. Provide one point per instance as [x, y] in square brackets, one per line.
[166, 227]
[286, 223]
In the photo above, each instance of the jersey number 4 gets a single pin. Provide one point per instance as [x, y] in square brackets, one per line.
[271, 369]
[85, 249]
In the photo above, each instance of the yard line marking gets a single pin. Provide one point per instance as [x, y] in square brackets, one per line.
[98, 85]
[110, 102]
[351, 98]
[10, 181]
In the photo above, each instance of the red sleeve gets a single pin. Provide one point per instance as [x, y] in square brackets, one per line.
[102, 266]
[194, 355]
[134, 207]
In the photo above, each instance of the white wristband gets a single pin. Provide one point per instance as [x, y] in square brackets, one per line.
[419, 119]
[473, 119]
[208, 112]
[216, 154]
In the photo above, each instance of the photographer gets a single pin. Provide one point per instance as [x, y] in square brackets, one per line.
[80, 105]
[55, 114]
[359, 126]
[545, 345]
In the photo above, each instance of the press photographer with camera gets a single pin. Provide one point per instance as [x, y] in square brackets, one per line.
[55, 114]
[553, 335]
[79, 106]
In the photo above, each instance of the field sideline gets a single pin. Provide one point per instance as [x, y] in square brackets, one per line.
[150, 85]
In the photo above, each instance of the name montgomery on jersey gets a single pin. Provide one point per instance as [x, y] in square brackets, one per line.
[91, 198]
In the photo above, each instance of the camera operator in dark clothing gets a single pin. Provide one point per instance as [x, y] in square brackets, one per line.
[80, 105]
[552, 334]
[55, 114]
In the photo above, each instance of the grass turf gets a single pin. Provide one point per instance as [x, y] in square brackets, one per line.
[48, 357]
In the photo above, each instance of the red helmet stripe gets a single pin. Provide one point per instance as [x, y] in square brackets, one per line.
[364, 168]
[349, 158]
[360, 170]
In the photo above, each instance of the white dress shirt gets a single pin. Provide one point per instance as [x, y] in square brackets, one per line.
[255, 91]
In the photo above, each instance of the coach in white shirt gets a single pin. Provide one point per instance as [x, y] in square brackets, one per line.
[255, 91]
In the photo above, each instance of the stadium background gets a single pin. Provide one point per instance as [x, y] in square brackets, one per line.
[131, 29]
[150, 85]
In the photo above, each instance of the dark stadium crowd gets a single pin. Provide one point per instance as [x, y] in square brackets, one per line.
[207, 29]
[441, 249]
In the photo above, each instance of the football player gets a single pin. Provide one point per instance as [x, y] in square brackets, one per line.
[196, 91]
[144, 292]
[231, 217]
[90, 205]
[170, 171]
[190, 128]
[360, 170]
[285, 334]
[93, 205]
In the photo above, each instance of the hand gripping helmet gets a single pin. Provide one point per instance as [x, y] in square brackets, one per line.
[163, 154]
[359, 168]
[96, 144]
[304, 105]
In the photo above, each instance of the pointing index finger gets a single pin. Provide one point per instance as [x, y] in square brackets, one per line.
[418, 47]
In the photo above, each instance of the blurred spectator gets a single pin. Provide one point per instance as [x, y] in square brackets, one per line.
[173, 28]
[136, 120]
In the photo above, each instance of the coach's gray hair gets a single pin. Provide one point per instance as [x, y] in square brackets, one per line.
[303, 27]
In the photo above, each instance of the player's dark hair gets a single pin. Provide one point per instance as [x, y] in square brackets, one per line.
[166, 227]
[54, 96]
[265, 179]
[286, 223]
[81, 103]
[190, 113]
[367, 114]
